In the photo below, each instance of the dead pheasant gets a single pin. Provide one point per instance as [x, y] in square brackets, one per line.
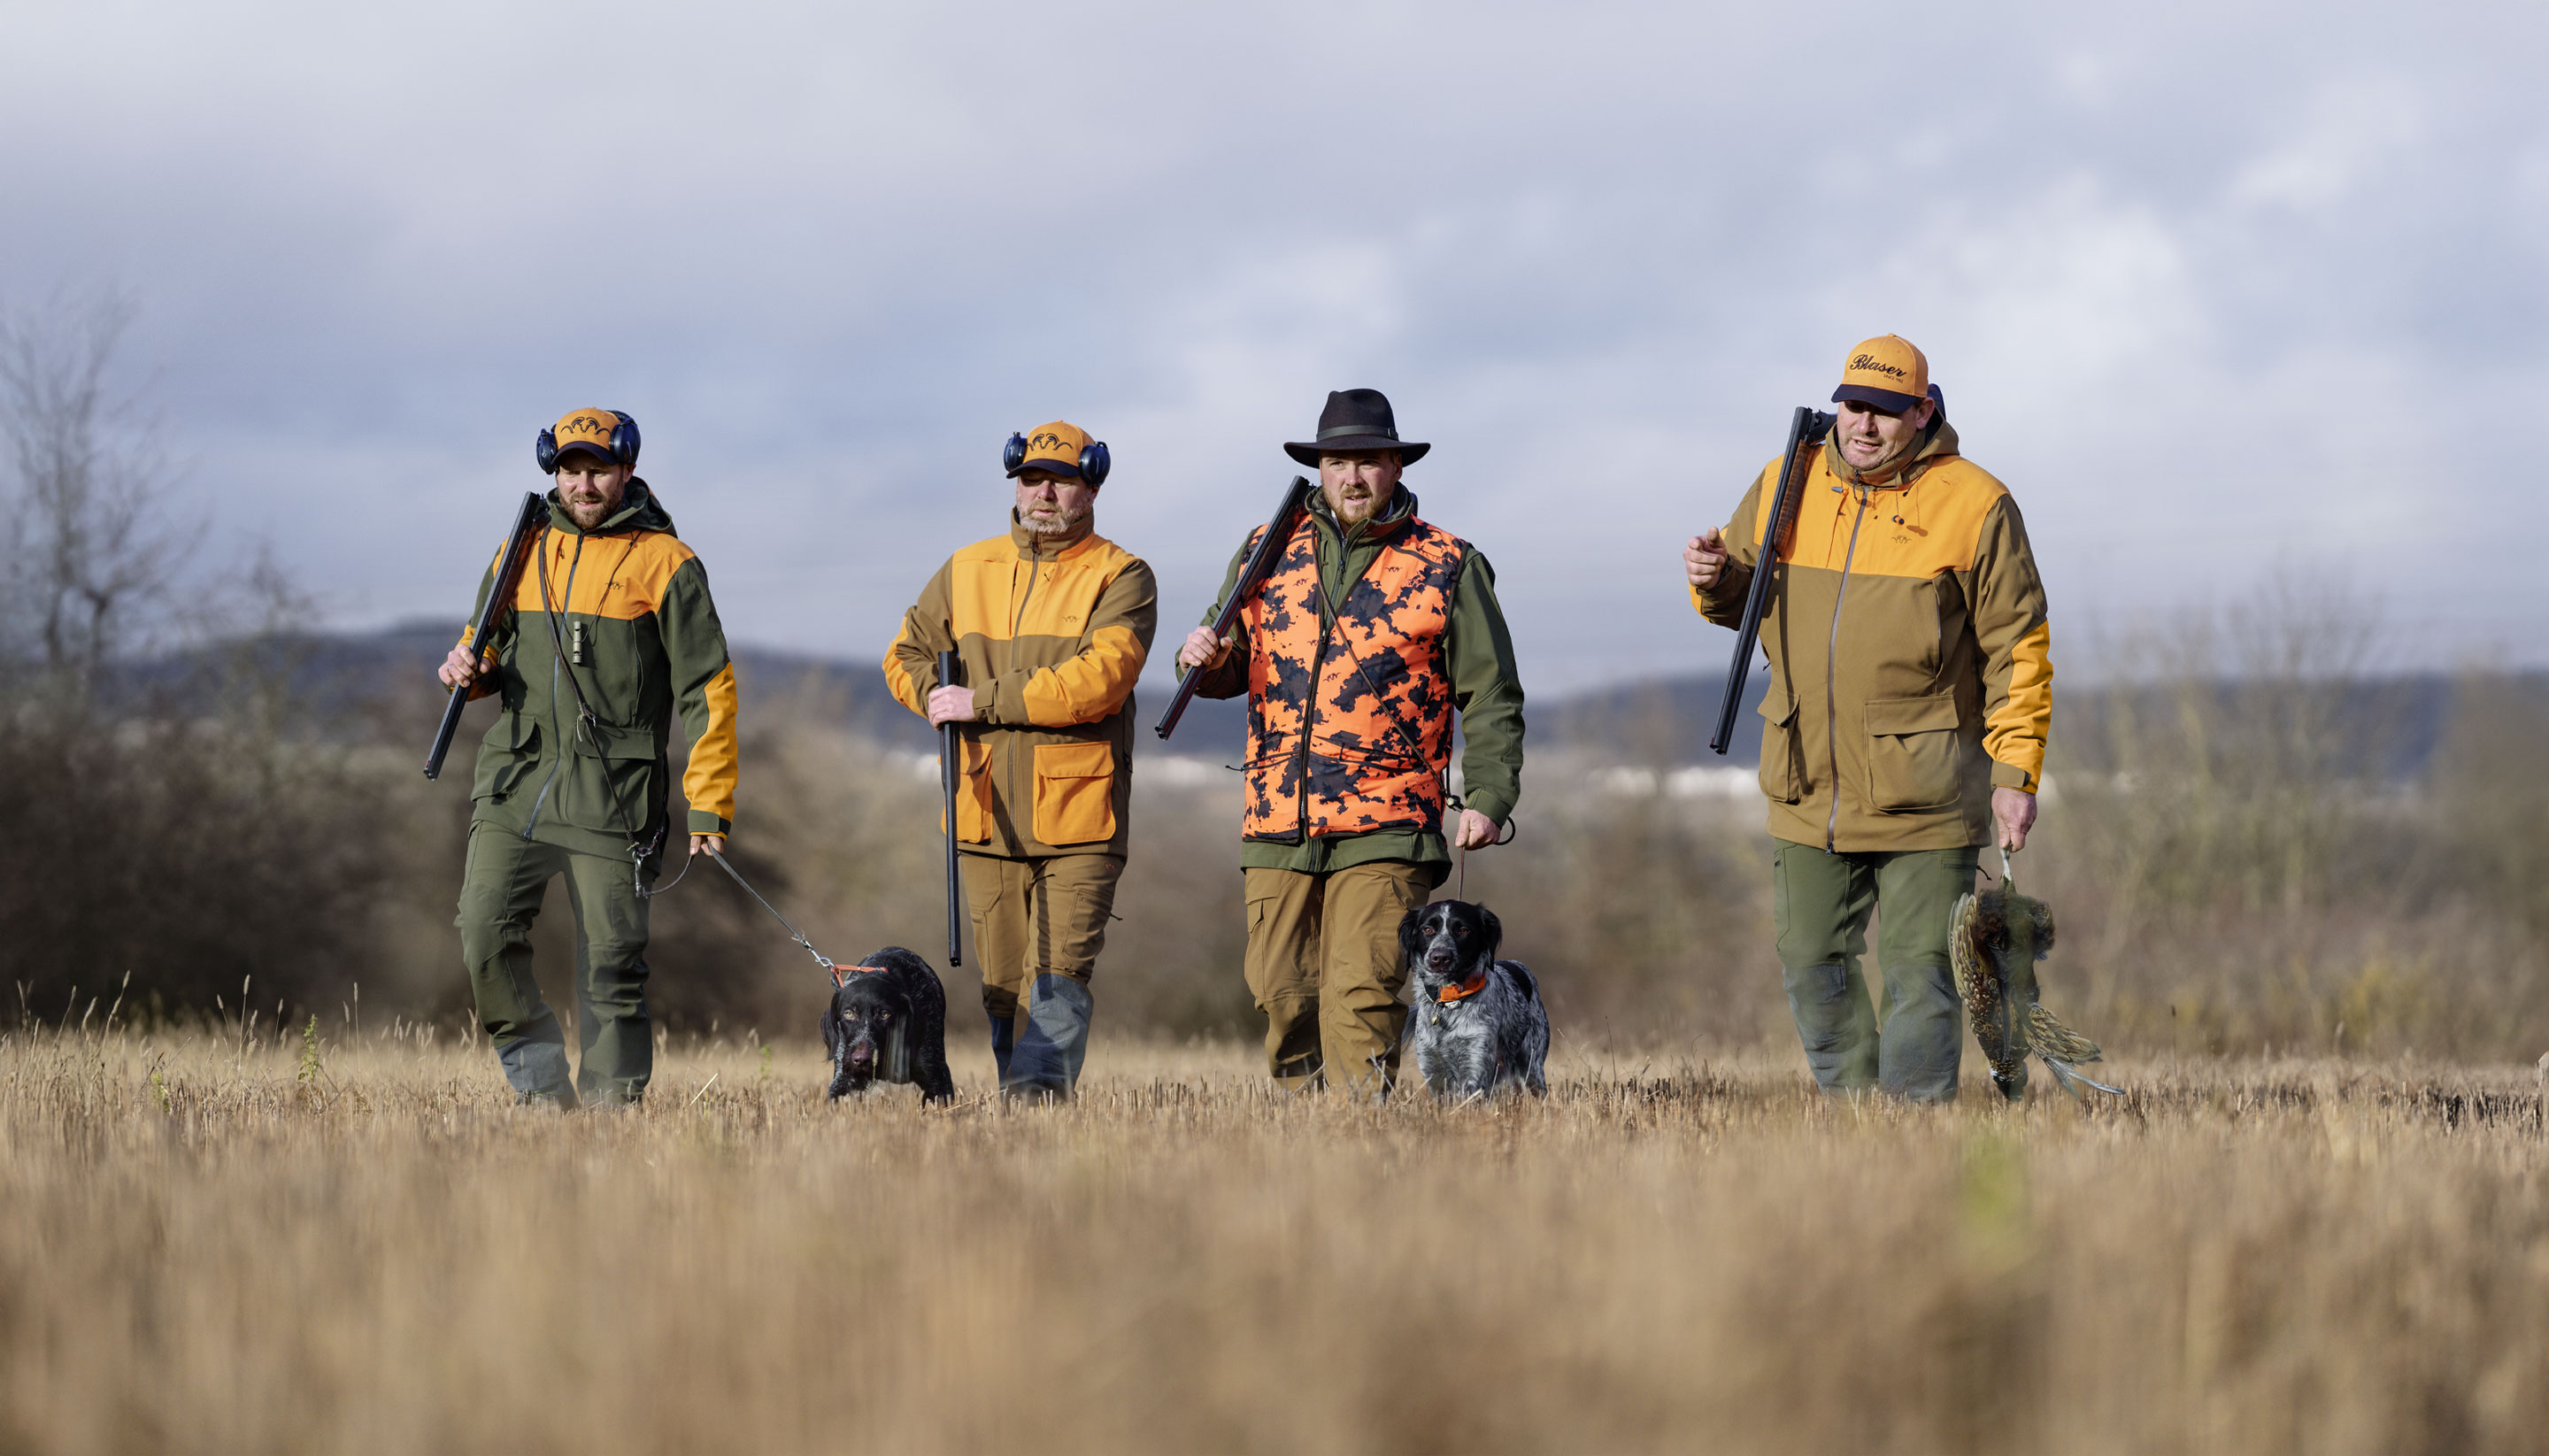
[1994, 940]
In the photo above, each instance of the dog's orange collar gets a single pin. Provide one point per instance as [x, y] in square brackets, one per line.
[1465, 989]
[841, 974]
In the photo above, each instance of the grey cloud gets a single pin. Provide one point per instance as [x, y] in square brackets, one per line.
[2207, 285]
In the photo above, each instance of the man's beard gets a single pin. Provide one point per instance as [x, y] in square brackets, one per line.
[1065, 521]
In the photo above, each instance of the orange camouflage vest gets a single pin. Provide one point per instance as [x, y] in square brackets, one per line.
[1324, 755]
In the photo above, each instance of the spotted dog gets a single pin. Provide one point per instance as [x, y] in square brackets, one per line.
[887, 1021]
[1477, 1026]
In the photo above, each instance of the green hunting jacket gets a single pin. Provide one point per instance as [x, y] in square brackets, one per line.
[636, 626]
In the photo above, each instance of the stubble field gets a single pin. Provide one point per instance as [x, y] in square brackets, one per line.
[219, 1241]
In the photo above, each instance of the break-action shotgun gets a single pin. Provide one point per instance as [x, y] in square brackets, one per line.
[1260, 564]
[500, 598]
[1805, 427]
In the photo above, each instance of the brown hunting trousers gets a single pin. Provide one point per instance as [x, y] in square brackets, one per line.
[1323, 964]
[1038, 926]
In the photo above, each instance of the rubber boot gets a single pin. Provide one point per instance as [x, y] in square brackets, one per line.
[1922, 1035]
[1052, 1040]
[536, 1066]
[1004, 1032]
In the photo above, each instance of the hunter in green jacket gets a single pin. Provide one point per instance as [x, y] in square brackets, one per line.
[612, 634]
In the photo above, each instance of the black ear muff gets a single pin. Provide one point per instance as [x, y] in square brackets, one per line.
[1015, 453]
[624, 443]
[544, 450]
[1094, 463]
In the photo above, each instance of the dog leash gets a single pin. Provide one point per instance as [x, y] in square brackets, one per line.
[821, 958]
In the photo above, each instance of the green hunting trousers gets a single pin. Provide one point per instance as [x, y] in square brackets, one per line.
[1038, 926]
[1324, 964]
[500, 897]
[1909, 1044]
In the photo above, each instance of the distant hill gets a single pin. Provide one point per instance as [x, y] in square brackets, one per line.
[2401, 718]
[1658, 721]
[338, 668]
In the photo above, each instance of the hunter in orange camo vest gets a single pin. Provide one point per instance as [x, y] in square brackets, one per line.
[1349, 707]
[1373, 632]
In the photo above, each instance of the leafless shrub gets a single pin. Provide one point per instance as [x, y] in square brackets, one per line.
[2242, 861]
[173, 828]
[93, 542]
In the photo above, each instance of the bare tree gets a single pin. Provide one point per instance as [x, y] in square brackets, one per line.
[92, 549]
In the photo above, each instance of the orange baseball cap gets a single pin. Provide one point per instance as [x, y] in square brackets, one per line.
[584, 429]
[1887, 372]
[1056, 449]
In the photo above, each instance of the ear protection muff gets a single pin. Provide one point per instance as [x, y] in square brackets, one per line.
[1094, 461]
[624, 445]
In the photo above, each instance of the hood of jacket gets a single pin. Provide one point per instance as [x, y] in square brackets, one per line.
[639, 510]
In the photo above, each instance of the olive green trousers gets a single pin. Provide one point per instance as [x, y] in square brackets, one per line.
[1324, 964]
[1039, 924]
[1909, 1044]
[500, 897]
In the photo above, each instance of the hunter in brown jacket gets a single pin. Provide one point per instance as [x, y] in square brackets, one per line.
[1050, 625]
[1905, 725]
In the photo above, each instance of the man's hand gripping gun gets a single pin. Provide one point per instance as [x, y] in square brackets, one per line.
[528, 521]
[1260, 564]
[1807, 427]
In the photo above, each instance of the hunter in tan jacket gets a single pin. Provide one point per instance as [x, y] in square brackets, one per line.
[1050, 625]
[1905, 725]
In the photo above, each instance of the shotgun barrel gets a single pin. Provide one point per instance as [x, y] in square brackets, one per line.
[500, 596]
[1805, 428]
[947, 771]
[1260, 564]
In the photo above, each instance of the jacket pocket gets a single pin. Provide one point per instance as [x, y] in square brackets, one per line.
[1074, 792]
[1915, 757]
[1779, 751]
[508, 752]
[973, 794]
[608, 783]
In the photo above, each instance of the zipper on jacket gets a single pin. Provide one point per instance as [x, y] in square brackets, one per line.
[1832, 711]
[566, 745]
[1019, 789]
[1318, 664]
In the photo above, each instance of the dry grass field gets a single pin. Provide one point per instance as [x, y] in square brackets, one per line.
[228, 1243]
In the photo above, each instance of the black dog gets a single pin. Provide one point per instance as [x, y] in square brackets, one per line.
[888, 1020]
[1477, 1024]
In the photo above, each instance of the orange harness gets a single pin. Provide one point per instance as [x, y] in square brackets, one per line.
[1465, 989]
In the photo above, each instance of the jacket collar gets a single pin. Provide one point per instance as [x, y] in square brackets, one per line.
[1939, 444]
[1032, 547]
[1388, 522]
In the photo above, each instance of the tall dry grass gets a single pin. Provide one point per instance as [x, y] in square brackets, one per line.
[217, 1242]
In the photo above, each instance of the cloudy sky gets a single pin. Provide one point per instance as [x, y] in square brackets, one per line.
[2217, 288]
